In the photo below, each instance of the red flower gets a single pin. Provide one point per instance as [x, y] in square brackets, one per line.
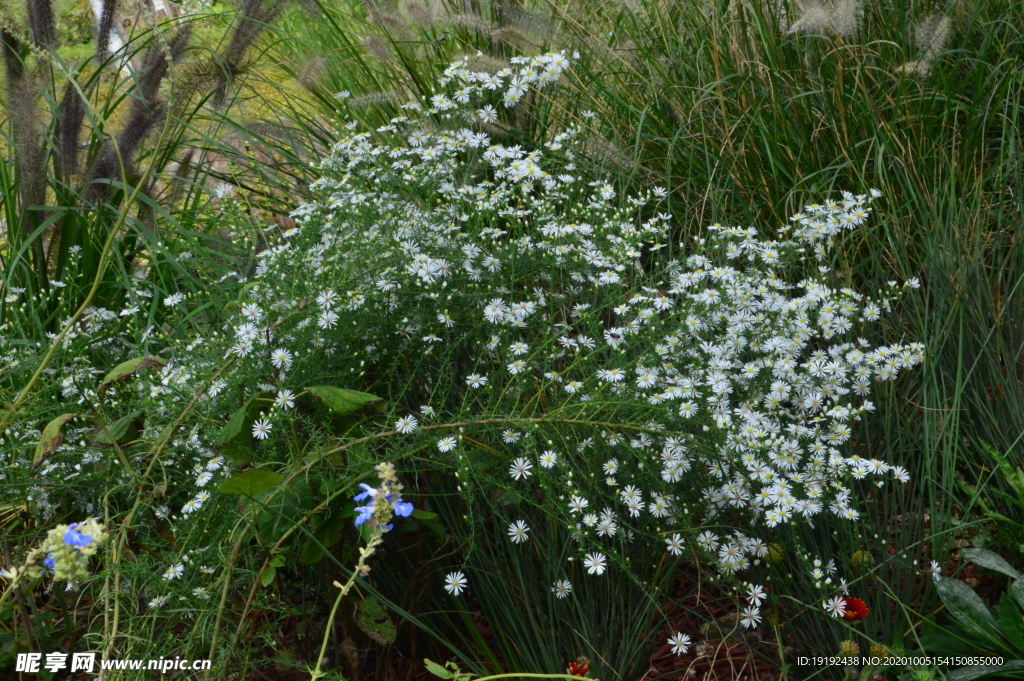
[856, 609]
[579, 668]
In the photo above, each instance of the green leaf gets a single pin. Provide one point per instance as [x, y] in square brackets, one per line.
[126, 369]
[250, 483]
[1011, 623]
[341, 400]
[967, 607]
[236, 426]
[124, 430]
[51, 439]
[373, 619]
[1017, 591]
[236, 440]
[268, 575]
[420, 514]
[970, 673]
[990, 560]
[436, 669]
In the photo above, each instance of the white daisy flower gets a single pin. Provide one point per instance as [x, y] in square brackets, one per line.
[285, 399]
[174, 571]
[281, 359]
[261, 429]
[751, 617]
[595, 563]
[520, 469]
[561, 588]
[577, 504]
[680, 643]
[674, 544]
[517, 531]
[455, 583]
[407, 424]
[835, 606]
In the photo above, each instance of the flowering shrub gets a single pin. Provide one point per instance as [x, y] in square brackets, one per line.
[532, 332]
[550, 295]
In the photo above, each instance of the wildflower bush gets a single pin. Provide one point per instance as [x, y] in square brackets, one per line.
[540, 308]
[541, 363]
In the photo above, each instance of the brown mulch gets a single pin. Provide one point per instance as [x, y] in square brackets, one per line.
[722, 650]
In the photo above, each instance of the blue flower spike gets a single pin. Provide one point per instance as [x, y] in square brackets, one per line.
[398, 507]
[75, 538]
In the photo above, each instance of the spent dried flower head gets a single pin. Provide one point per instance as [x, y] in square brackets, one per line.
[419, 13]
[822, 17]
[930, 37]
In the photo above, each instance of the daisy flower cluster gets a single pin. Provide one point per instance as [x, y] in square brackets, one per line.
[755, 381]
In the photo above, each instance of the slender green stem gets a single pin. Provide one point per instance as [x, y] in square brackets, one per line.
[364, 553]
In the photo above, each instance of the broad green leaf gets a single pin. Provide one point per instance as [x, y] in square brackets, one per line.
[970, 673]
[341, 400]
[990, 560]
[436, 669]
[420, 514]
[268, 575]
[373, 619]
[236, 440]
[277, 561]
[126, 369]
[52, 438]
[239, 424]
[123, 430]
[950, 639]
[1011, 623]
[967, 607]
[250, 483]
[1017, 591]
